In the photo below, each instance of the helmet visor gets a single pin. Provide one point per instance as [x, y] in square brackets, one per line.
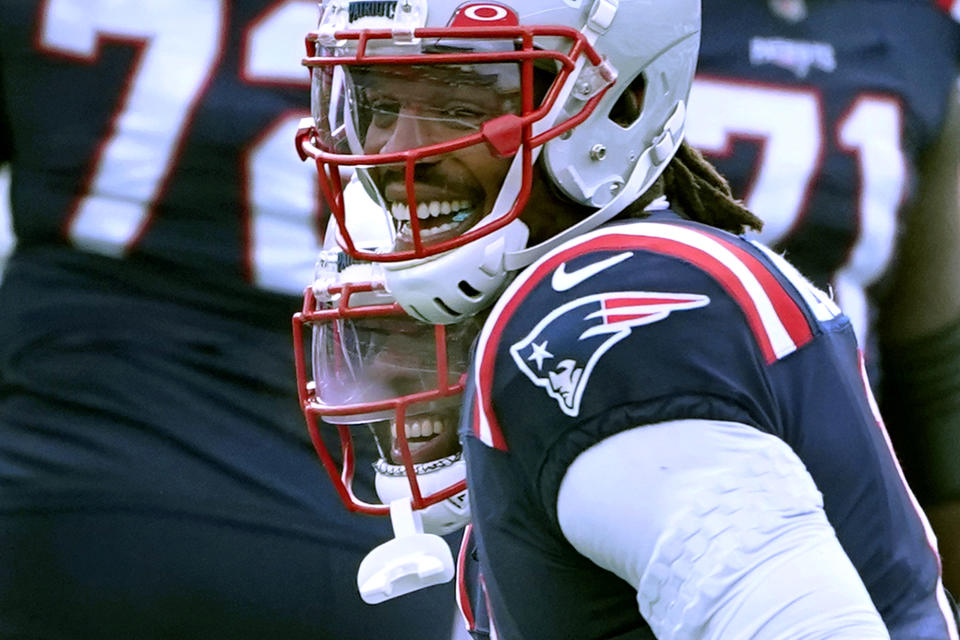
[381, 108]
[466, 107]
[365, 368]
[418, 135]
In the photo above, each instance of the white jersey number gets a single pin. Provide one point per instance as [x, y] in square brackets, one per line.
[790, 124]
[177, 60]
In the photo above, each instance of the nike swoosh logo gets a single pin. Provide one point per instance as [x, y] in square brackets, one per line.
[564, 280]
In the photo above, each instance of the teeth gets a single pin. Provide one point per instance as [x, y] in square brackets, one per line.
[425, 234]
[423, 428]
[432, 209]
[400, 211]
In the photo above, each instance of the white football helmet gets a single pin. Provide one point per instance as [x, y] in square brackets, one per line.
[444, 108]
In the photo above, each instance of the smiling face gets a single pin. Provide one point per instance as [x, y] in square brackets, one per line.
[372, 365]
[415, 107]
[405, 364]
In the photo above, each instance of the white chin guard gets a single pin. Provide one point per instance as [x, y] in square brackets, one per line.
[441, 518]
[462, 282]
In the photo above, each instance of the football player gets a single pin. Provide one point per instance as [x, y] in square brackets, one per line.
[850, 158]
[668, 431]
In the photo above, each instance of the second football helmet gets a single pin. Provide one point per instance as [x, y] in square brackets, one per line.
[366, 369]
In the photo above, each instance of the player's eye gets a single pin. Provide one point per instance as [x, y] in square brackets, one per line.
[462, 116]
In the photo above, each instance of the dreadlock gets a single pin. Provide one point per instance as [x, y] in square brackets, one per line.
[694, 186]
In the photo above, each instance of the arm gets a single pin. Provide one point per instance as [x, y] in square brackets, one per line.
[925, 286]
[721, 530]
[920, 335]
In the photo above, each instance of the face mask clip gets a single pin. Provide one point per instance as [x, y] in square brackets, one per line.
[592, 80]
[410, 15]
[334, 18]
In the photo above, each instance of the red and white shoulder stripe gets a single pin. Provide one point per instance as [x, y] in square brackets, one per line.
[777, 320]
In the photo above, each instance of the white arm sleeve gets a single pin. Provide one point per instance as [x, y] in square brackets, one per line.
[721, 530]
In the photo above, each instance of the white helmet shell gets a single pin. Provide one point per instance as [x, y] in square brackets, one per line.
[604, 162]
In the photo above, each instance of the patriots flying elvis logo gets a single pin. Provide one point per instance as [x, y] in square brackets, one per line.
[599, 321]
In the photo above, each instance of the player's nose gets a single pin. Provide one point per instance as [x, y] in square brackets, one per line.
[409, 132]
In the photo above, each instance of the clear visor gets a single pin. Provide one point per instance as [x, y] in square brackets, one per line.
[383, 108]
[443, 129]
[355, 106]
[416, 132]
[365, 367]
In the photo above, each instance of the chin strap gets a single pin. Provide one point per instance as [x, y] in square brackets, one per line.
[413, 560]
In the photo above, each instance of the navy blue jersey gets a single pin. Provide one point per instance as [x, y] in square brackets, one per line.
[819, 123]
[152, 167]
[649, 321]
[156, 195]
[163, 132]
[472, 599]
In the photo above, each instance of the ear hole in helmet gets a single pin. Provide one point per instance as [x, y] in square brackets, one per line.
[626, 110]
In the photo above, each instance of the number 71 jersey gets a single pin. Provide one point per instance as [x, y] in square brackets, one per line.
[817, 113]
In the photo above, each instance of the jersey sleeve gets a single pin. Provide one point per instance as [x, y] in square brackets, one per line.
[720, 514]
[662, 334]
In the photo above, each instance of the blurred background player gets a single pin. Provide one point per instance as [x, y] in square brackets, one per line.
[668, 430]
[818, 115]
[156, 480]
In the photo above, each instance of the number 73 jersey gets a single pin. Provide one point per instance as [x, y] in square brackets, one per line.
[817, 113]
